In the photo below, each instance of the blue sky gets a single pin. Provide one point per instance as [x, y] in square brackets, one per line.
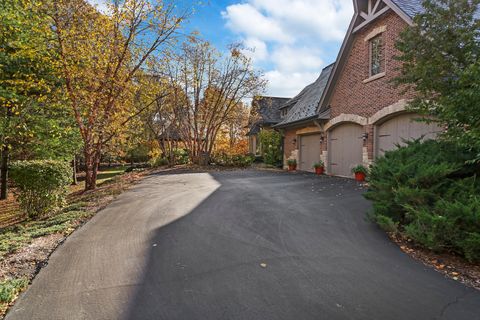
[292, 39]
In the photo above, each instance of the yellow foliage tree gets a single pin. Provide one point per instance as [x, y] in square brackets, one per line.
[101, 58]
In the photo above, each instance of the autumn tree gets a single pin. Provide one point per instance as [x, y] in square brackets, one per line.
[207, 86]
[101, 54]
[232, 136]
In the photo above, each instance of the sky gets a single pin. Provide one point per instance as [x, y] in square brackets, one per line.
[289, 40]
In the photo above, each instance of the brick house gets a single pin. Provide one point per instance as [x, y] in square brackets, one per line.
[360, 112]
[264, 113]
[300, 125]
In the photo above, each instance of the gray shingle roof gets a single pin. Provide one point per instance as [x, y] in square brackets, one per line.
[413, 7]
[410, 7]
[305, 104]
[265, 111]
[269, 108]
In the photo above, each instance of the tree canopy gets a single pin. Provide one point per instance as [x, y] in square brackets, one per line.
[441, 62]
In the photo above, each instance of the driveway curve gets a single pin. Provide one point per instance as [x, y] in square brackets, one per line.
[239, 245]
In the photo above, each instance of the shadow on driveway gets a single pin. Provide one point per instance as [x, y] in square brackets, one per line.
[323, 259]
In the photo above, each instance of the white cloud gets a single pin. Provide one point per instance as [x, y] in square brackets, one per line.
[296, 59]
[256, 49]
[291, 37]
[246, 19]
[325, 19]
[288, 84]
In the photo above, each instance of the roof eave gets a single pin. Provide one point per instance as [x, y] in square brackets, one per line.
[296, 123]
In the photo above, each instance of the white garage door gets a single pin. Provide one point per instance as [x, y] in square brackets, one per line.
[402, 127]
[345, 148]
[309, 151]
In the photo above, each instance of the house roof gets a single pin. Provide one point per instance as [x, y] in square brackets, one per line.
[269, 108]
[304, 105]
[265, 111]
[414, 7]
[410, 7]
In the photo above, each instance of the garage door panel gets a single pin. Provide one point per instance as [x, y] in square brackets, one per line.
[345, 148]
[309, 151]
[393, 132]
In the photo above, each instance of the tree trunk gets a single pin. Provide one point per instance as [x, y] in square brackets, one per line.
[4, 173]
[90, 178]
[4, 164]
[74, 171]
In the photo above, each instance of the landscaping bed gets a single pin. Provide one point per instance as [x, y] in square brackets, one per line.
[426, 195]
[449, 264]
[26, 246]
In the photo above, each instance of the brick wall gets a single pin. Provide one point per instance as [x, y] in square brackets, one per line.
[351, 95]
[289, 148]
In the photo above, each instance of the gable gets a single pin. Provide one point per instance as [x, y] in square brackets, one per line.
[366, 12]
[356, 90]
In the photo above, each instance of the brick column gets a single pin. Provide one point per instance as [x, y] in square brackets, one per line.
[368, 154]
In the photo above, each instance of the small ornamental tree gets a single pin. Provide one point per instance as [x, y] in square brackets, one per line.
[41, 185]
[271, 144]
[440, 55]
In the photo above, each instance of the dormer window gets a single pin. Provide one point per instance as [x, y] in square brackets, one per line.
[377, 56]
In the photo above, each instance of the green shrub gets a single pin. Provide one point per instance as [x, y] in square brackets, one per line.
[41, 185]
[158, 162]
[236, 160]
[181, 156]
[319, 164]
[10, 288]
[292, 162]
[271, 147]
[431, 194]
[360, 169]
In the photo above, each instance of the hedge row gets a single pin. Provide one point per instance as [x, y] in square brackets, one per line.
[430, 192]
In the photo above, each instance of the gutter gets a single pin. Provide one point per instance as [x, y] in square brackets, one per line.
[295, 123]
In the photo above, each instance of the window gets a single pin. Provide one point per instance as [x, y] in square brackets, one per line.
[377, 57]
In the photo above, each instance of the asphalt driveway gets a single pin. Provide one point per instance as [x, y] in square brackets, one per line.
[239, 245]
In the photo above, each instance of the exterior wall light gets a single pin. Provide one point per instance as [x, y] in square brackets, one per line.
[365, 136]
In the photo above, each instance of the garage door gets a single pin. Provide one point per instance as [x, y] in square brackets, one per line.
[393, 131]
[345, 148]
[309, 151]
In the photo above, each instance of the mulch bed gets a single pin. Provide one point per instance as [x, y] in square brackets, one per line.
[448, 264]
